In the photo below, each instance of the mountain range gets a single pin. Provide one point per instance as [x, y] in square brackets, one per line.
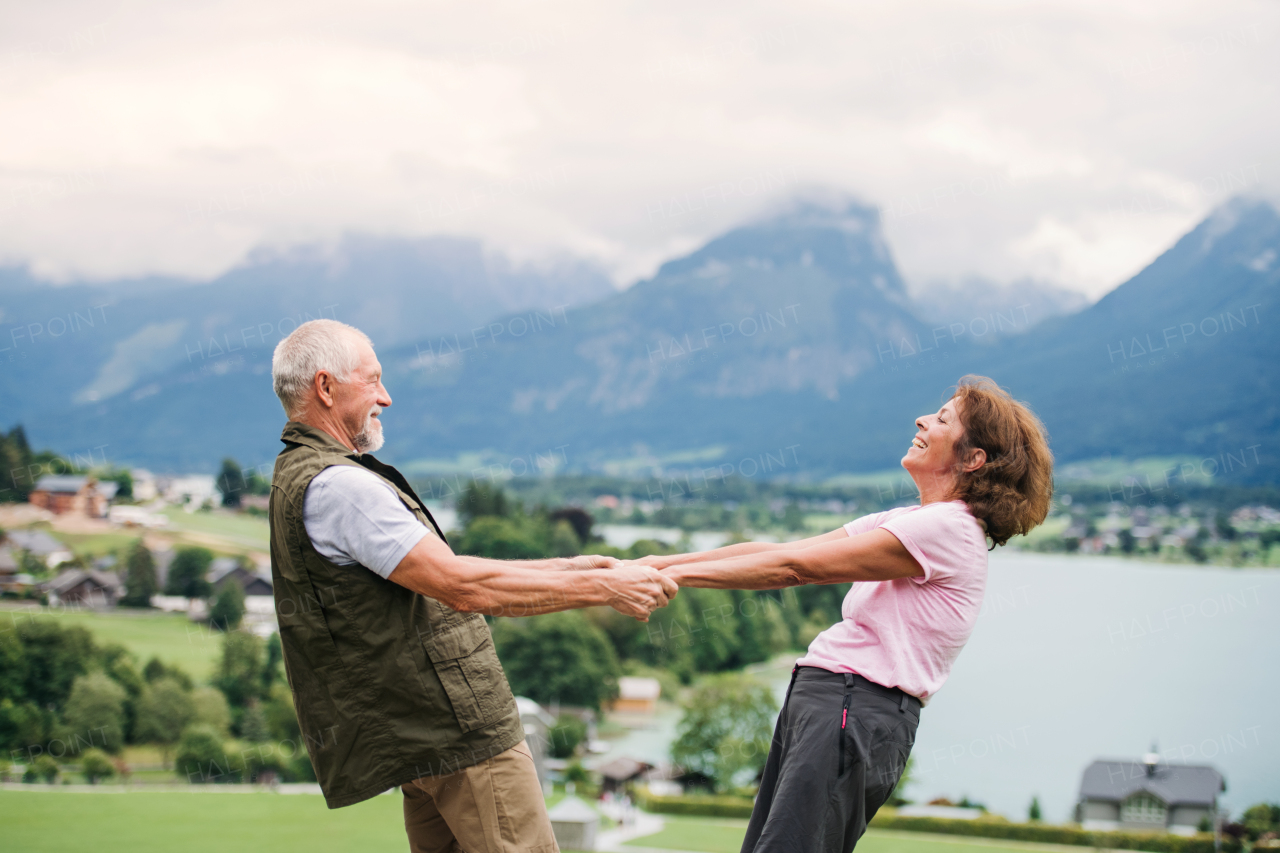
[790, 338]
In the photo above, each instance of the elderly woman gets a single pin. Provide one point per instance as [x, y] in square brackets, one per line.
[984, 471]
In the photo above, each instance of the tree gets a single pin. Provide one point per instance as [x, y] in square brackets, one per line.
[211, 709]
[164, 710]
[239, 673]
[482, 499]
[201, 757]
[140, 577]
[1033, 812]
[897, 795]
[1261, 818]
[95, 711]
[95, 765]
[271, 669]
[282, 720]
[565, 735]
[725, 729]
[253, 724]
[228, 607]
[187, 573]
[564, 542]
[560, 657]
[157, 669]
[122, 478]
[231, 482]
[55, 656]
[516, 538]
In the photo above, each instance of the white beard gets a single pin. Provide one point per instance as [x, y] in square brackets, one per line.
[370, 436]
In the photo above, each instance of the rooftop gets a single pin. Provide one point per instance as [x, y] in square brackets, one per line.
[1171, 783]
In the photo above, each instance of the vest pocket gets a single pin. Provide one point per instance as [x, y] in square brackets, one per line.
[467, 665]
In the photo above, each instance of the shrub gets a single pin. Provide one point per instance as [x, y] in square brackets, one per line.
[1074, 835]
[202, 758]
[43, 767]
[723, 806]
[96, 765]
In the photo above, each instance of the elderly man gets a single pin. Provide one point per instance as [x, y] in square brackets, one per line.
[393, 670]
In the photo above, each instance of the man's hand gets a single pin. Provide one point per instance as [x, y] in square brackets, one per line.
[639, 590]
[592, 561]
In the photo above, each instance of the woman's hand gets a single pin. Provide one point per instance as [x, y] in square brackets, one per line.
[586, 562]
[656, 561]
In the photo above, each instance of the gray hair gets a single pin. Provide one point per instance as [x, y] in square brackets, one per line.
[314, 346]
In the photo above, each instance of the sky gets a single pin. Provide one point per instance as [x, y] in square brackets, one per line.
[1068, 142]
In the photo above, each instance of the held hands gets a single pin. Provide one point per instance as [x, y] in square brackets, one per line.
[639, 590]
[591, 561]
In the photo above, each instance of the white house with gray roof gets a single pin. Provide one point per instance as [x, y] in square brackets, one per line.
[1148, 796]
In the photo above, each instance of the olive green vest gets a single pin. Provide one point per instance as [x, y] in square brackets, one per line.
[389, 685]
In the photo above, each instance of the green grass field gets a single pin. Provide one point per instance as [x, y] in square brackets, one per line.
[40, 822]
[706, 835]
[169, 636]
[208, 821]
[235, 528]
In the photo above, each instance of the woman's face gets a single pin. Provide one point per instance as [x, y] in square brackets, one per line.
[931, 458]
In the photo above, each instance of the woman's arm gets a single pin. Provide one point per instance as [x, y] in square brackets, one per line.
[659, 561]
[556, 564]
[876, 555]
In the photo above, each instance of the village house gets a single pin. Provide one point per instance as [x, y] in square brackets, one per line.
[40, 545]
[61, 493]
[11, 579]
[1148, 795]
[85, 588]
[637, 695]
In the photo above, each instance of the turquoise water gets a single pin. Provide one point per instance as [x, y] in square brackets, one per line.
[1081, 658]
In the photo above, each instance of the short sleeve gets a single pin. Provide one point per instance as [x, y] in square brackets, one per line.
[862, 525]
[937, 536]
[352, 516]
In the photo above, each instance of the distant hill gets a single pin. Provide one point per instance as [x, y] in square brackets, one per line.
[125, 363]
[789, 337]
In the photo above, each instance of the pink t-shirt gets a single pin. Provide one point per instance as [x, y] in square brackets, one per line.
[908, 632]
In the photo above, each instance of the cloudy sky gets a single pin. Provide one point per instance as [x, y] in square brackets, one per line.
[1070, 141]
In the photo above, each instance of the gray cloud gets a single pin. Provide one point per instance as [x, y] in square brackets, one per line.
[1068, 142]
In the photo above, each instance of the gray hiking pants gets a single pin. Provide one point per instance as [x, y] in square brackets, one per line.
[839, 748]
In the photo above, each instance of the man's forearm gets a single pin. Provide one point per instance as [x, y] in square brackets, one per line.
[552, 564]
[496, 588]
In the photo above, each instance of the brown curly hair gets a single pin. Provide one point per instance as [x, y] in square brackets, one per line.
[1012, 491]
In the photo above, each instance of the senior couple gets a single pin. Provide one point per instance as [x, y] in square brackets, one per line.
[393, 670]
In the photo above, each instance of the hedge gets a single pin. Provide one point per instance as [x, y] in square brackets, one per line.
[694, 804]
[1154, 842]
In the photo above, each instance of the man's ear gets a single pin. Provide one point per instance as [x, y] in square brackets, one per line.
[976, 459]
[323, 384]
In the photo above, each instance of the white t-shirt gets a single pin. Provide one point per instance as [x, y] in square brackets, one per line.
[353, 516]
[907, 632]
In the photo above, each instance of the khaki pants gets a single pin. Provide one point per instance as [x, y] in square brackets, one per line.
[495, 806]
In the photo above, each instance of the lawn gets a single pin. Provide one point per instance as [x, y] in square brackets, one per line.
[195, 822]
[204, 819]
[236, 528]
[725, 836]
[172, 637]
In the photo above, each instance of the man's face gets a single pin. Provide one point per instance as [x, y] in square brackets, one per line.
[360, 400]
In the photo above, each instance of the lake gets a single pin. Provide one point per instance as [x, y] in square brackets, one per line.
[1077, 658]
